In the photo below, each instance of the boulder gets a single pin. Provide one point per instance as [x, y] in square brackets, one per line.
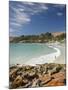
[56, 69]
[35, 83]
[45, 79]
[17, 82]
[41, 75]
[31, 75]
[12, 74]
[59, 79]
[28, 85]
[56, 82]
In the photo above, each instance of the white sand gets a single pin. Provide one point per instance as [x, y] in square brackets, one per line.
[56, 57]
[62, 58]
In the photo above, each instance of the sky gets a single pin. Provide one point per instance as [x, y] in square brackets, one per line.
[29, 18]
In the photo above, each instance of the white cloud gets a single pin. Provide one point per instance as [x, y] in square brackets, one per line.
[11, 30]
[21, 9]
[29, 3]
[43, 7]
[61, 6]
[59, 14]
[23, 12]
[22, 18]
[15, 24]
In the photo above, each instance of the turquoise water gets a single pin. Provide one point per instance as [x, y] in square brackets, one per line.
[20, 53]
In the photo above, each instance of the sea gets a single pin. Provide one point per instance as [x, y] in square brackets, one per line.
[23, 53]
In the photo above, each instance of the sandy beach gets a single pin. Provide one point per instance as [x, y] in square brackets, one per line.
[56, 57]
[62, 58]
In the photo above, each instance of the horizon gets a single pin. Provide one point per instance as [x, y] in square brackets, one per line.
[29, 18]
[37, 34]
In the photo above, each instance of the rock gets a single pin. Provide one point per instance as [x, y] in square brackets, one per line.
[56, 82]
[45, 79]
[63, 69]
[12, 71]
[56, 69]
[36, 83]
[31, 75]
[17, 82]
[59, 79]
[42, 69]
[45, 70]
[24, 81]
[13, 67]
[61, 75]
[12, 74]
[50, 66]
[41, 75]
[29, 67]
[28, 85]
[24, 74]
[20, 73]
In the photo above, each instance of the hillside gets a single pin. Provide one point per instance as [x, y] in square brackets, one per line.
[43, 37]
[57, 33]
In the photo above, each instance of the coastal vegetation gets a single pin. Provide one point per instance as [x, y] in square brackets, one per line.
[43, 37]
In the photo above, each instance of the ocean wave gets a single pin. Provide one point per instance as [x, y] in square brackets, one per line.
[48, 58]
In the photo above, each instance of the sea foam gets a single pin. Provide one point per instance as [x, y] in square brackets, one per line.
[48, 58]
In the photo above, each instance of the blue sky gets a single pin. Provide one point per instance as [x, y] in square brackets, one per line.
[28, 18]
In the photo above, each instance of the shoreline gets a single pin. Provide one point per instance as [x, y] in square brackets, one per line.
[42, 74]
[48, 58]
[62, 58]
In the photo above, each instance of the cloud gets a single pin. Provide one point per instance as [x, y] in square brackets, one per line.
[21, 12]
[29, 3]
[60, 6]
[11, 30]
[22, 18]
[59, 14]
[34, 8]
[16, 24]
[43, 7]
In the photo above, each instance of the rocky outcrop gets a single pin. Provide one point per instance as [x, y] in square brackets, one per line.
[41, 75]
[17, 82]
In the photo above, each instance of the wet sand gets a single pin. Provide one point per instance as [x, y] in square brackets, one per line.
[62, 58]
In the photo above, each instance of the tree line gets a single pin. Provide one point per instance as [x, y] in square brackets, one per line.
[43, 37]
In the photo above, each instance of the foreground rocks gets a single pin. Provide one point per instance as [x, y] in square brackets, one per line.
[41, 75]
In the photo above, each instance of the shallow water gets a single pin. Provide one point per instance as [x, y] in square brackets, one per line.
[23, 52]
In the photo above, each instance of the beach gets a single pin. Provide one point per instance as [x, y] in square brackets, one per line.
[37, 53]
[32, 53]
[56, 57]
[37, 45]
[46, 70]
[62, 58]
